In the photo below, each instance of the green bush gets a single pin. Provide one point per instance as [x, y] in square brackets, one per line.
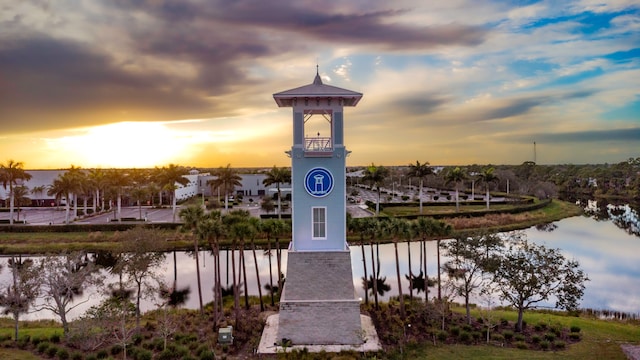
[42, 347]
[465, 336]
[508, 335]
[143, 354]
[52, 351]
[497, 337]
[536, 339]
[549, 336]
[519, 337]
[575, 329]
[521, 345]
[55, 338]
[76, 356]
[442, 335]
[116, 349]
[544, 345]
[455, 331]
[102, 354]
[575, 336]
[559, 344]
[207, 355]
[62, 354]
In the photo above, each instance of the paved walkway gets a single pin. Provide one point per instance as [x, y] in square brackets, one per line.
[632, 351]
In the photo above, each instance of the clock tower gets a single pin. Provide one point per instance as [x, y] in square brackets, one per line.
[318, 303]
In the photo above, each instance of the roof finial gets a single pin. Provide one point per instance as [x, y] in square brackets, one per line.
[317, 80]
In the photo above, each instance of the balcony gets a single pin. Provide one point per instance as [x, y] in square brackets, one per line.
[318, 147]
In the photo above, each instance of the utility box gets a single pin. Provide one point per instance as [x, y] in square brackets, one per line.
[225, 335]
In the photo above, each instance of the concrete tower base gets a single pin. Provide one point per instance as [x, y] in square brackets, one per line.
[318, 305]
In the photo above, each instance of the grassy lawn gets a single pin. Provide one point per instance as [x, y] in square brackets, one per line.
[601, 339]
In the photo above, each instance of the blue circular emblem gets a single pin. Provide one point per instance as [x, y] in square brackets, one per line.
[318, 182]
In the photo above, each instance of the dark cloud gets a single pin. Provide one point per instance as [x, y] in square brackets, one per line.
[623, 135]
[419, 105]
[53, 82]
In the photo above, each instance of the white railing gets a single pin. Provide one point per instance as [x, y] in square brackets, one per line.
[321, 144]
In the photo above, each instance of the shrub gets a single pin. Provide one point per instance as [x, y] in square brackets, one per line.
[455, 331]
[36, 340]
[52, 351]
[574, 336]
[497, 337]
[102, 354]
[465, 336]
[519, 337]
[575, 329]
[467, 327]
[535, 339]
[508, 335]
[116, 349]
[91, 357]
[42, 347]
[143, 354]
[76, 356]
[207, 355]
[442, 335]
[54, 338]
[544, 345]
[549, 336]
[521, 345]
[62, 354]
[559, 344]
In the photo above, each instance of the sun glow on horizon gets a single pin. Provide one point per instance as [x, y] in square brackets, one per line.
[131, 144]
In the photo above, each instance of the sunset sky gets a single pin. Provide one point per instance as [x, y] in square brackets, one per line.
[119, 83]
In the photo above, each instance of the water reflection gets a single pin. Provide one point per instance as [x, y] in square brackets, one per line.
[608, 255]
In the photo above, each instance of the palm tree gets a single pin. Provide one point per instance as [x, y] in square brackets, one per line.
[375, 176]
[20, 198]
[191, 216]
[169, 177]
[357, 225]
[37, 191]
[487, 177]
[118, 180]
[139, 180]
[77, 177]
[255, 223]
[456, 176]
[278, 176]
[11, 174]
[273, 229]
[212, 229]
[227, 179]
[62, 187]
[97, 181]
[395, 229]
[372, 229]
[422, 228]
[420, 171]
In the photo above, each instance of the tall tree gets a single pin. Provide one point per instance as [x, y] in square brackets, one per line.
[456, 176]
[273, 229]
[375, 176]
[96, 181]
[63, 280]
[141, 255]
[212, 229]
[420, 171]
[487, 176]
[62, 187]
[473, 258]
[38, 191]
[529, 274]
[357, 225]
[191, 216]
[257, 227]
[171, 177]
[22, 292]
[20, 198]
[226, 180]
[12, 173]
[278, 176]
[118, 180]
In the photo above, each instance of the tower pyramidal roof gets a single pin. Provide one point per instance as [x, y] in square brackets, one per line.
[317, 90]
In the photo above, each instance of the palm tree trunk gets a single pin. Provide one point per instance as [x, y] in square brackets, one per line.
[410, 272]
[236, 295]
[487, 197]
[11, 205]
[255, 262]
[420, 196]
[244, 278]
[196, 254]
[439, 282]
[270, 270]
[279, 263]
[426, 276]
[374, 276]
[400, 296]
[366, 278]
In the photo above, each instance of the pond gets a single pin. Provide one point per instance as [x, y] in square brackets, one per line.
[608, 253]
